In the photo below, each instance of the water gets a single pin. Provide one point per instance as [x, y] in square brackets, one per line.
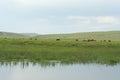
[59, 71]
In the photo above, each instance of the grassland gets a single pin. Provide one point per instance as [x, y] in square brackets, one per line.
[65, 51]
[109, 35]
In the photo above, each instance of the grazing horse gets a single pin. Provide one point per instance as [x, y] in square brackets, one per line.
[76, 39]
[104, 40]
[58, 39]
[109, 40]
[35, 38]
[89, 40]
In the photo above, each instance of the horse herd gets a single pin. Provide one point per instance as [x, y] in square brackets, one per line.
[87, 40]
[84, 40]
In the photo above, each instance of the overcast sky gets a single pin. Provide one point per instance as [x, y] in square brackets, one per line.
[59, 16]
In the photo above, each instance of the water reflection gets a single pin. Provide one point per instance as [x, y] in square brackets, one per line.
[57, 71]
[44, 63]
[24, 64]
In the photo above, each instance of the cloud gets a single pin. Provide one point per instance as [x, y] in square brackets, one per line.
[95, 19]
[61, 3]
[41, 2]
[48, 2]
[107, 19]
[95, 23]
[48, 16]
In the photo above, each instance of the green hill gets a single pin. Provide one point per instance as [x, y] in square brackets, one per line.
[109, 35]
[11, 35]
[30, 34]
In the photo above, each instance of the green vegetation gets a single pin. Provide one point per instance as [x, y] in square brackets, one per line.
[65, 51]
[110, 35]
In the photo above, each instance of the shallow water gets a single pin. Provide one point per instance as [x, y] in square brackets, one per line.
[59, 72]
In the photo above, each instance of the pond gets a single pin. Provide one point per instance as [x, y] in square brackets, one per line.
[57, 71]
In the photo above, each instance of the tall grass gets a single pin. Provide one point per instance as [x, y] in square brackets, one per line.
[65, 51]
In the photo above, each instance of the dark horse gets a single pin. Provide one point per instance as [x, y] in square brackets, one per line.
[58, 39]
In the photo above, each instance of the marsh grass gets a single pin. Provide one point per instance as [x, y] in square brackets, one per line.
[65, 51]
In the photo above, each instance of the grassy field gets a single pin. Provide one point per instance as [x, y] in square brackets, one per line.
[65, 51]
[110, 35]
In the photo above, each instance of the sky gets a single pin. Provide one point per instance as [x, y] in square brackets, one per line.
[59, 16]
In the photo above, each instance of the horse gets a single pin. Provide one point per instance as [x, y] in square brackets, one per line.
[58, 39]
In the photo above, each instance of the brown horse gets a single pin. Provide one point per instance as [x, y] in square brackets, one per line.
[89, 40]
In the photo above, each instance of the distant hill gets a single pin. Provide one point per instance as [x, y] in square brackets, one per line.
[30, 34]
[109, 35]
[11, 35]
